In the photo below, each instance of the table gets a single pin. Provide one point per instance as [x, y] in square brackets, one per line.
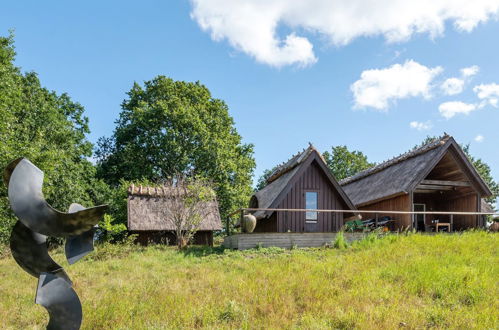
[442, 224]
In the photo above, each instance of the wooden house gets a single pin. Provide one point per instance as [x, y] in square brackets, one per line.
[147, 217]
[303, 182]
[435, 177]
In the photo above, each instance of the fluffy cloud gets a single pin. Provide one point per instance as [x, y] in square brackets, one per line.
[470, 71]
[450, 109]
[489, 93]
[377, 87]
[479, 138]
[252, 25]
[420, 126]
[452, 86]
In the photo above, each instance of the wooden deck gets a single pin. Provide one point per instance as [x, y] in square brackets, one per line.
[284, 240]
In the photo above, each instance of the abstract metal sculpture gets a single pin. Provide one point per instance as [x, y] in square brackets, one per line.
[28, 241]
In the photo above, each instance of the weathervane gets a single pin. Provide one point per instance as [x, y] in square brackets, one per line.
[28, 241]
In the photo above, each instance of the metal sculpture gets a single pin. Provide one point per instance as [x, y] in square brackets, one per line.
[28, 241]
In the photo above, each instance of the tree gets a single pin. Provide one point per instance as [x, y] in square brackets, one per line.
[262, 180]
[50, 130]
[169, 127]
[345, 163]
[187, 206]
[484, 170]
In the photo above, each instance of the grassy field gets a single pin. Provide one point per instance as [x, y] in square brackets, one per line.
[415, 281]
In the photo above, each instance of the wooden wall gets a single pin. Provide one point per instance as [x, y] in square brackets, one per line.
[313, 179]
[267, 225]
[467, 203]
[450, 203]
[398, 203]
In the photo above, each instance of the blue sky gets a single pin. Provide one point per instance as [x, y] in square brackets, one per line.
[289, 76]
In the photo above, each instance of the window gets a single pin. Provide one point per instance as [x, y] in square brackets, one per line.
[311, 204]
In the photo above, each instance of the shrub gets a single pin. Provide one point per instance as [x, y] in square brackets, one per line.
[111, 231]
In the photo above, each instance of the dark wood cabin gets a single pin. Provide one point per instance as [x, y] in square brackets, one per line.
[303, 182]
[435, 177]
[146, 217]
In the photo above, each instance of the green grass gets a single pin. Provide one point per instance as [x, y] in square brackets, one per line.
[415, 281]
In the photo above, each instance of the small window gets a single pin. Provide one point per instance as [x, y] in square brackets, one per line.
[311, 204]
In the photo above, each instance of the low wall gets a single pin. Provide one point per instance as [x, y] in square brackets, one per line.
[284, 240]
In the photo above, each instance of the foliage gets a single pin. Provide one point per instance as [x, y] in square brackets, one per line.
[345, 163]
[188, 198]
[110, 230]
[450, 278]
[168, 127]
[262, 180]
[484, 170]
[48, 129]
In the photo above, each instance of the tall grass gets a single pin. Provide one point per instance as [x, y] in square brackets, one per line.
[340, 241]
[415, 281]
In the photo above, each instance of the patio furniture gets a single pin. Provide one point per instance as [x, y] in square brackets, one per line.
[442, 224]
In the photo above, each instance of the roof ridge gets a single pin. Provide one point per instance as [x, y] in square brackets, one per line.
[289, 164]
[395, 160]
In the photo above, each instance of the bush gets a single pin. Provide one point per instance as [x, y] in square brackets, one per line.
[110, 231]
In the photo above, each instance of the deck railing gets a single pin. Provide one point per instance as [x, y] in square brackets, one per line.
[451, 214]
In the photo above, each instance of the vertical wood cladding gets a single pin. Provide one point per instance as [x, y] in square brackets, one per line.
[398, 203]
[267, 225]
[312, 179]
[448, 203]
[468, 203]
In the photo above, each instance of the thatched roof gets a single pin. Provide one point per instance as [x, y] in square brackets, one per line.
[147, 205]
[401, 174]
[279, 181]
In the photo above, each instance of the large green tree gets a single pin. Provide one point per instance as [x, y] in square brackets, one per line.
[169, 127]
[48, 129]
[345, 163]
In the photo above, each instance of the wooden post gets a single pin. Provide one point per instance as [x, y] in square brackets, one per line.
[479, 209]
[451, 222]
[376, 220]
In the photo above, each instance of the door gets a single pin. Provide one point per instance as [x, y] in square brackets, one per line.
[419, 219]
[311, 218]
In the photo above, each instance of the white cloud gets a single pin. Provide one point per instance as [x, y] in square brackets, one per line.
[452, 86]
[252, 25]
[479, 138]
[489, 93]
[377, 87]
[420, 126]
[470, 71]
[450, 109]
